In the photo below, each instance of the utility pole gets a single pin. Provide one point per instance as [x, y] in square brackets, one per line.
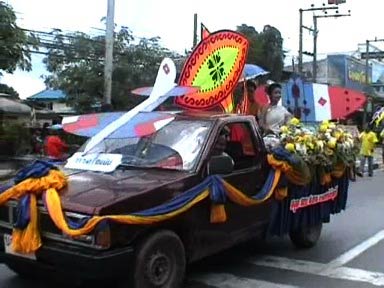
[194, 30]
[315, 34]
[301, 42]
[366, 80]
[108, 65]
[301, 26]
[314, 64]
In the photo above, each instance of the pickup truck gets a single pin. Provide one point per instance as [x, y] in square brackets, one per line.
[154, 170]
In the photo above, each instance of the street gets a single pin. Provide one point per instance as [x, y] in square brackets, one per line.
[350, 253]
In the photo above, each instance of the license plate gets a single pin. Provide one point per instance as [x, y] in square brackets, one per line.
[8, 248]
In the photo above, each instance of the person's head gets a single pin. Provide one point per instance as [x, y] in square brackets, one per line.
[251, 89]
[221, 142]
[45, 125]
[274, 93]
[367, 128]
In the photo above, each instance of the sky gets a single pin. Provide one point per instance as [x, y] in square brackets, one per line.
[172, 20]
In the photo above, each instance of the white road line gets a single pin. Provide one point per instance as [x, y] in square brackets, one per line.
[320, 269]
[224, 280]
[357, 250]
[290, 264]
[354, 274]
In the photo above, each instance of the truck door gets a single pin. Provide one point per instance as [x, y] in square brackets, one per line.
[250, 171]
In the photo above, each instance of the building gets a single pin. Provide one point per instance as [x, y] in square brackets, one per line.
[14, 111]
[340, 70]
[54, 100]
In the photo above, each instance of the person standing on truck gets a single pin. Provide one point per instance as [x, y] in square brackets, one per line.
[272, 117]
[368, 140]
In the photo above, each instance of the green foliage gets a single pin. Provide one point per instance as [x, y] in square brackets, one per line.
[265, 49]
[76, 63]
[5, 89]
[14, 139]
[14, 42]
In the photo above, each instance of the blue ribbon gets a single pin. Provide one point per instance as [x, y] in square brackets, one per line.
[283, 155]
[23, 212]
[36, 169]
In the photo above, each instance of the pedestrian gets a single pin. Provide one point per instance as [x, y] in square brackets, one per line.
[382, 145]
[44, 131]
[54, 147]
[37, 142]
[368, 139]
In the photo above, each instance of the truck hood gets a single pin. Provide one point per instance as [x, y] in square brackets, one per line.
[123, 191]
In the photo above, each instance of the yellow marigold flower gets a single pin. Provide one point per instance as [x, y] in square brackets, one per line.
[337, 134]
[284, 129]
[323, 128]
[294, 121]
[331, 143]
[290, 147]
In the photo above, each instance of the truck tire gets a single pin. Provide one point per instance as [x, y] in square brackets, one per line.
[306, 237]
[160, 261]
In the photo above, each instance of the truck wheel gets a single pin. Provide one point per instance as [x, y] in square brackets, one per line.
[306, 237]
[160, 261]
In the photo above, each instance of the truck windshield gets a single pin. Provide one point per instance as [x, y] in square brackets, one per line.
[175, 146]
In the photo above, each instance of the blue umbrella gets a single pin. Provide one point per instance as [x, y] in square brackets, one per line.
[56, 127]
[251, 71]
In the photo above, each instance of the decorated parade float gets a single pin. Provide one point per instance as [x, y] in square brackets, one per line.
[153, 190]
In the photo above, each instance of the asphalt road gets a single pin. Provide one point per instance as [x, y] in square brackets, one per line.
[349, 254]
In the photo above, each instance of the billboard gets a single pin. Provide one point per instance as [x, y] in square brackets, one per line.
[336, 70]
[348, 71]
[377, 72]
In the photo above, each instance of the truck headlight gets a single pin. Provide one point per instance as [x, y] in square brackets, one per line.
[103, 236]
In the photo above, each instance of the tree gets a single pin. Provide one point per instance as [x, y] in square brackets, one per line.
[5, 89]
[14, 42]
[265, 49]
[76, 63]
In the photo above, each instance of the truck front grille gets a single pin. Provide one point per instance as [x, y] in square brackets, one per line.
[8, 214]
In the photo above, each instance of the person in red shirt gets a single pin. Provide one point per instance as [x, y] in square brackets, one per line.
[54, 146]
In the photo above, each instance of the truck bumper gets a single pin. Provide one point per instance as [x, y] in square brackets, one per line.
[79, 262]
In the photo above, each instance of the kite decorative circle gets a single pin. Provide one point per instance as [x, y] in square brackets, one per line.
[215, 65]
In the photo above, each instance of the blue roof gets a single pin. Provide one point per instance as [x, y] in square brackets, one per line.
[48, 95]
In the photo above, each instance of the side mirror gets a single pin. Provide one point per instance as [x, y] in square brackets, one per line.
[222, 164]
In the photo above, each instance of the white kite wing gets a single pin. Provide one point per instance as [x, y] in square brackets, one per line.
[165, 81]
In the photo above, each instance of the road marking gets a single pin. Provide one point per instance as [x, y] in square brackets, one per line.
[320, 269]
[289, 264]
[357, 250]
[224, 280]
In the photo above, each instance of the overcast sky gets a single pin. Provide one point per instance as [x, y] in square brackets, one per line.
[173, 21]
